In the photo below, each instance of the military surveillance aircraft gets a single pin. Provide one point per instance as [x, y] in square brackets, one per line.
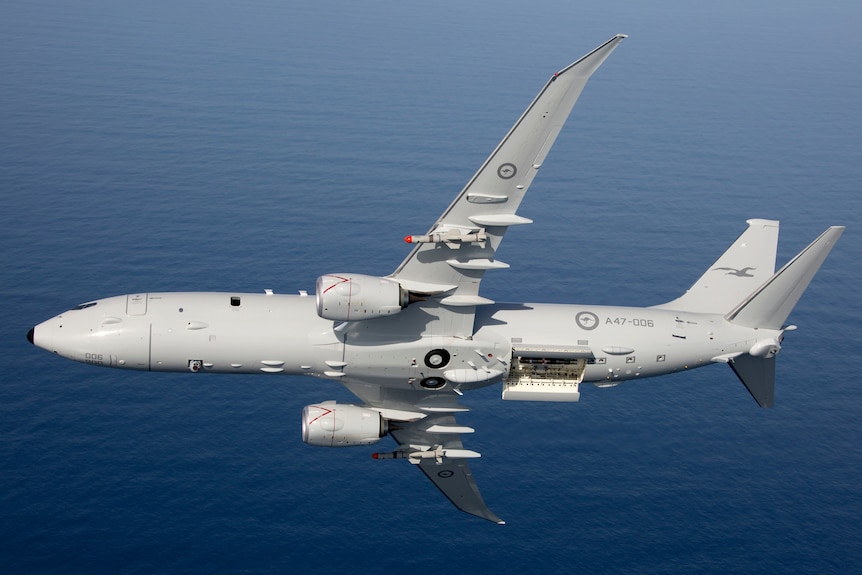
[411, 344]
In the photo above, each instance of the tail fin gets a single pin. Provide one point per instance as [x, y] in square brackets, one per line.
[744, 273]
[768, 308]
[745, 265]
[770, 305]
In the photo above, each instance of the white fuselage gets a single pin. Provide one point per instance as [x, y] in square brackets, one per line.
[282, 334]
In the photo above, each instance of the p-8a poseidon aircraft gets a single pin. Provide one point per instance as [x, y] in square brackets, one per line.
[410, 344]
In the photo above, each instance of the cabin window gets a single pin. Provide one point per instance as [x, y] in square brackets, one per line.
[235, 301]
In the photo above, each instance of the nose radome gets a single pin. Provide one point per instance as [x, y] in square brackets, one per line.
[30, 334]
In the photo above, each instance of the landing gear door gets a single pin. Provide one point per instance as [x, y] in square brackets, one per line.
[136, 304]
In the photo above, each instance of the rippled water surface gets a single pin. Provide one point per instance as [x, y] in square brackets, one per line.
[179, 146]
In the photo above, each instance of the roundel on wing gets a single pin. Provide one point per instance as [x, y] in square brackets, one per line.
[507, 171]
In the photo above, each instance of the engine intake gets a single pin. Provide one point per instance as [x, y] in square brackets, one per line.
[353, 297]
[329, 424]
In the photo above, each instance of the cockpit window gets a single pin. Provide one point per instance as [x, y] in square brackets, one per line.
[85, 305]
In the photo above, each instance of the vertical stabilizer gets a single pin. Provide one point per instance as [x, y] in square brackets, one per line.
[740, 270]
[771, 304]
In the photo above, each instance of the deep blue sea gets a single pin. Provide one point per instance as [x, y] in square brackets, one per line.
[237, 146]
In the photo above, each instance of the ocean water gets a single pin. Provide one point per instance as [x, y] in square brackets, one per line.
[178, 146]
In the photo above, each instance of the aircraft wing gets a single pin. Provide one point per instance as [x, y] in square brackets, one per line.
[424, 425]
[434, 445]
[452, 257]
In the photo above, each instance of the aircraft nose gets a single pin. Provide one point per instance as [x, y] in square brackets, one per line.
[30, 334]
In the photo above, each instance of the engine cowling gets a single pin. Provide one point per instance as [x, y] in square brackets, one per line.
[353, 297]
[329, 424]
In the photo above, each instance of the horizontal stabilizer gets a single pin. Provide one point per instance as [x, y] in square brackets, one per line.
[771, 304]
[740, 270]
[758, 376]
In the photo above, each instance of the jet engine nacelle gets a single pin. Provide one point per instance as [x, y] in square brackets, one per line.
[341, 425]
[352, 297]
